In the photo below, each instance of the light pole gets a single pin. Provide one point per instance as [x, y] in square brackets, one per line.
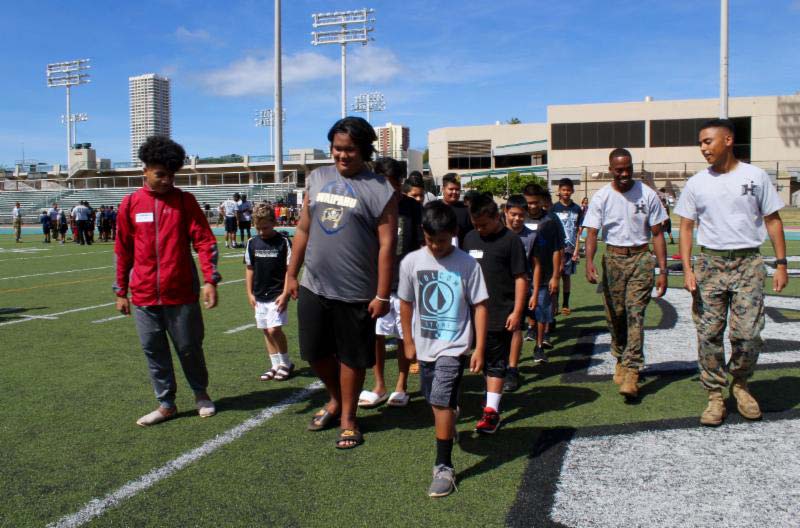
[723, 59]
[68, 74]
[266, 118]
[369, 102]
[278, 97]
[74, 119]
[354, 28]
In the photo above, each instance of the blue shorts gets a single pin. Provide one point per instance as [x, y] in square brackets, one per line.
[544, 307]
[570, 266]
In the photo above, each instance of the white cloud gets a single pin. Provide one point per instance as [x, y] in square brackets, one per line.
[253, 75]
[187, 35]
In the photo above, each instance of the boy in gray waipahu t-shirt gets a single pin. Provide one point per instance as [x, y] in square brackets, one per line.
[440, 285]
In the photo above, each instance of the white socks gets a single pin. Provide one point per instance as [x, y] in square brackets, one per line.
[493, 400]
[280, 359]
[284, 358]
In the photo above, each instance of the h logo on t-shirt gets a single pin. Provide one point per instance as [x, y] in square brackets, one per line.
[641, 207]
[749, 189]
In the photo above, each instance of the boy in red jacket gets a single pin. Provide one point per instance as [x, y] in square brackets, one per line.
[155, 227]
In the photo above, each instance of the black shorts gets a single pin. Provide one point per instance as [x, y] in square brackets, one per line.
[440, 380]
[327, 327]
[498, 349]
[244, 225]
[667, 226]
[46, 229]
[230, 224]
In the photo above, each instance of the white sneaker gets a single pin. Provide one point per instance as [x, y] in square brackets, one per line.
[205, 408]
[162, 414]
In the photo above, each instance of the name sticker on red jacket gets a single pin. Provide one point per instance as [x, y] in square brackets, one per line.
[144, 217]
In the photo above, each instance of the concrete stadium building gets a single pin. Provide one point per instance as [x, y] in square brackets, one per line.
[661, 135]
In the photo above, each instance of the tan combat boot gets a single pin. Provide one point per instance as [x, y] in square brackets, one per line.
[629, 387]
[747, 405]
[619, 373]
[715, 411]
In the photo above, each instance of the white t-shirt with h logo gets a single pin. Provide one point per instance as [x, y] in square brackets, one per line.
[729, 208]
[625, 218]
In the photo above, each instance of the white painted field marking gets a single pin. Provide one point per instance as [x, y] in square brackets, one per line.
[55, 273]
[54, 315]
[58, 256]
[23, 250]
[97, 507]
[751, 469]
[114, 318]
[27, 318]
[235, 255]
[240, 328]
[676, 348]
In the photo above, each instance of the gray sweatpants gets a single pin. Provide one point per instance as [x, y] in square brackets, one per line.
[184, 324]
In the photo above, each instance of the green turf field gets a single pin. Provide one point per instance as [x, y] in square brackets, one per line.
[73, 382]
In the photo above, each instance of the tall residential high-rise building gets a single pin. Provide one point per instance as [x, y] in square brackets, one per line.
[150, 109]
[392, 141]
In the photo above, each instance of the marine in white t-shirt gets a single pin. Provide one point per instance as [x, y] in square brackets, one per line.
[729, 208]
[625, 218]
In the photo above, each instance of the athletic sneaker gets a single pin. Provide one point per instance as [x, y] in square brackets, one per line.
[489, 422]
[444, 481]
[539, 355]
[546, 342]
[530, 335]
[511, 382]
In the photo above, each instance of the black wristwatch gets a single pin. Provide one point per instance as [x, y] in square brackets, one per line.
[780, 262]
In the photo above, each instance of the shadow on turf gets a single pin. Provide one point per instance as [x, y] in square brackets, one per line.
[15, 311]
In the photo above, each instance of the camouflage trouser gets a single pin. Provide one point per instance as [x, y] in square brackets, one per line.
[627, 286]
[735, 285]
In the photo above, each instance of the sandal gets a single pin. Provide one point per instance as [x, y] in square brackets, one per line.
[268, 375]
[398, 399]
[283, 372]
[349, 438]
[370, 400]
[413, 368]
[321, 420]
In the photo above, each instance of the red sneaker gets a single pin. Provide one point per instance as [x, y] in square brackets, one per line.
[489, 422]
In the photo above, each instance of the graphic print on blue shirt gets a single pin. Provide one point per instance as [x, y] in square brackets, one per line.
[334, 202]
[440, 292]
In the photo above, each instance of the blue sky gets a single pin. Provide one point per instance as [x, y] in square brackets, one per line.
[439, 63]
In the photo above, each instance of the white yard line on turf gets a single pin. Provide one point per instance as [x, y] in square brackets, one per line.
[55, 273]
[109, 319]
[27, 318]
[56, 256]
[96, 507]
[54, 315]
[240, 328]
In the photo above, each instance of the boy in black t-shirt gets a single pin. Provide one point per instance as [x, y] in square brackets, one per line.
[501, 255]
[266, 257]
[409, 238]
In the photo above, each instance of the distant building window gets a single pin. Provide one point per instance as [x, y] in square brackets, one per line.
[469, 154]
[684, 133]
[515, 160]
[597, 135]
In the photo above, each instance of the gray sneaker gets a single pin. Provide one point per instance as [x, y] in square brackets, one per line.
[444, 481]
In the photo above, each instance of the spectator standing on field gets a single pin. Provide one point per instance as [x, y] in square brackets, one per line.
[629, 213]
[16, 221]
[81, 215]
[735, 206]
[54, 212]
[245, 217]
[156, 227]
[44, 219]
[63, 225]
[229, 209]
[346, 238]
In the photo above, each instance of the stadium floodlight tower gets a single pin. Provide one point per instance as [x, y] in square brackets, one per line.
[354, 27]
[369, 102]
[68, 74]
[74, 119]
[267, 118]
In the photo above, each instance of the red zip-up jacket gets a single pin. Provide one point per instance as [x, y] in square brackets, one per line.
[152, 249]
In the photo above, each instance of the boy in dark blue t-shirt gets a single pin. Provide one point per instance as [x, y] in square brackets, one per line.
[571, 216]
[266, 257]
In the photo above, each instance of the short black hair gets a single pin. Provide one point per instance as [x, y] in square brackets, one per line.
[438, 217]
[518, 201]
[359, 130]
[389, 167]
[236, 196]
[470, 195]
[566, 182]
[161, 150]
[483, 205]
[415, 180]
[532, 189]
[620, 153]
[415, 173]
[450, 177]
[719, 123]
